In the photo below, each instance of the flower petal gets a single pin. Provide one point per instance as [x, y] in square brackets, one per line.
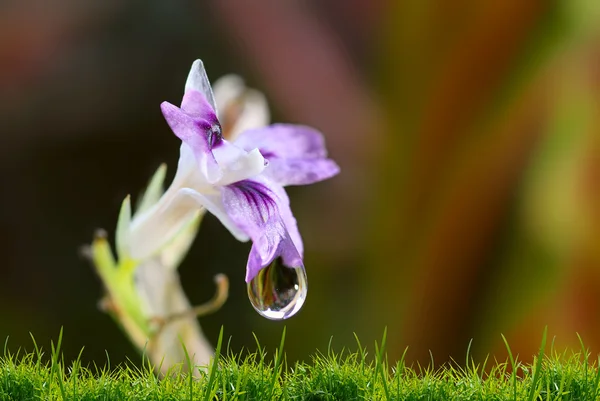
[227, 91]
[197, 80]
[156, 227]
[172, 254]
[236, 164]
[296, 154]
[240, 108]
[159, 226]
[289, 220]
[300, 171]
[221, 162]
[214, 205]
[195, 105]
[258, 208]
[198, 134]
[286, 141]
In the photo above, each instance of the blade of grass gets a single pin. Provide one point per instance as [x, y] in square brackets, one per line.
[538, 366]
[214, 368]
[6, 346]
[277, 367]
[380, 364]
[56, 365]
[514, 367]
[190, 366]
[467, 363]
[38, 353]
[597, 380]
[400, 368]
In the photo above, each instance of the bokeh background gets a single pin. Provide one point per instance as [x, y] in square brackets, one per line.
[468, 133]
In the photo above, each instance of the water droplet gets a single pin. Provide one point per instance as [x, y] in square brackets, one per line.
[278, 292]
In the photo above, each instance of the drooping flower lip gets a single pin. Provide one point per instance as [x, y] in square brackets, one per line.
[258, 197]
[261, 209]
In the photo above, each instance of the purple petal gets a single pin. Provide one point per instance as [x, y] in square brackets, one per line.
[296, 153]
[198, 134]
[290, 222]
[195, 104]
[261, 210]
[221, 162]
[300, 171]
[285, 141]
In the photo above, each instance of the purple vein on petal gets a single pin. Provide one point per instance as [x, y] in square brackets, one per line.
[256, 194]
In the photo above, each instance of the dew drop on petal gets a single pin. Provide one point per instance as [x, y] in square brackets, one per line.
[278, 292]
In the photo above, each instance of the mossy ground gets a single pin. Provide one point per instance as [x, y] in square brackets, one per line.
[331, 376]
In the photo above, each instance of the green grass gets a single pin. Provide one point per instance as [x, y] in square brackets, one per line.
[331, 376]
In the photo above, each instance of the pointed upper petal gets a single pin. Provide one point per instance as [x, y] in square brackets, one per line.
[258, 208]
[195, 104]
[197, 80]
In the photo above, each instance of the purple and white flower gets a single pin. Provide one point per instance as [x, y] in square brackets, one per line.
[240, 182]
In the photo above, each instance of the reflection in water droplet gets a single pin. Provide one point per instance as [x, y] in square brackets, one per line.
[278, 292]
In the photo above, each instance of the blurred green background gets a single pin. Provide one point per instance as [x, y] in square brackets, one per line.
[468, 134]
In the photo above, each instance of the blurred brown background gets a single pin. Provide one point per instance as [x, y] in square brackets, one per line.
[468, 134]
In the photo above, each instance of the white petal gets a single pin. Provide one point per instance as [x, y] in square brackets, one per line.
[156, 227]
[227, 90]
[187, 161]
[174, 252]
[240, 108]
[236, 164]
[255, 113]
[214, 204]
[189, 173]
